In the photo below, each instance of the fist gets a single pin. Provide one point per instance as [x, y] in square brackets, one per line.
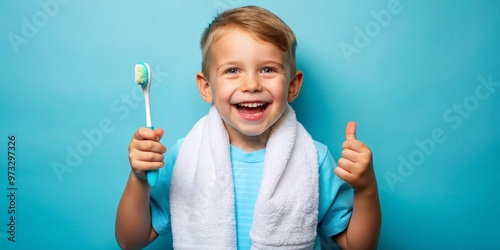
[146, 151]
[355, 166]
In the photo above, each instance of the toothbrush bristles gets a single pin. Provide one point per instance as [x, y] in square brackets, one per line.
[141, 74]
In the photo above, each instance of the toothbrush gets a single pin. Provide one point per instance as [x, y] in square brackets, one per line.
[143, 77]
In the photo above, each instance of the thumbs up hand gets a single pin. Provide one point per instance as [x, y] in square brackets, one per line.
[355, 166]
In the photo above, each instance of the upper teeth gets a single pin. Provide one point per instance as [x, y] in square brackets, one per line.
[251, 105]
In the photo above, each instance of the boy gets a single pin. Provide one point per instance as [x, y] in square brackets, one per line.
[246, 175]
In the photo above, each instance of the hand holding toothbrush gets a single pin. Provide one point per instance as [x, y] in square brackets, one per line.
[146, 151]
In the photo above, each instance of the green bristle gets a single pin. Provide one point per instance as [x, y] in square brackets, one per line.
[141, 74]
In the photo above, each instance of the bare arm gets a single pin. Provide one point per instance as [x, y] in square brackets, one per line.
[133, 219]
[356, 168]
[364, 227]
[133, 227]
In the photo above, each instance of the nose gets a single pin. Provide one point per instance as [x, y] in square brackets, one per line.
[250, 84]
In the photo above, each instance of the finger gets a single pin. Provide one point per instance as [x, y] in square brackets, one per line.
[343, 174]
[345, 164]
[139, 159]
[148, 146]
[350, 130]
[355, 145]
[150, 157]
[140, 166]
[350, 154]
[146, 134]
[159, 132]
[355, 158]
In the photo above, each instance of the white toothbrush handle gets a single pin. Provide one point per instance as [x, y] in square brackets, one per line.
[148, 108]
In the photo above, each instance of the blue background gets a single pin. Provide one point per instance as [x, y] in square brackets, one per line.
[411, 81]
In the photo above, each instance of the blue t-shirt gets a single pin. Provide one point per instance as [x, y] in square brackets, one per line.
[335, 196]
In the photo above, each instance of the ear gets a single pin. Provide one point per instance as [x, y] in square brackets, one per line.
[295, 85]
[204, 87]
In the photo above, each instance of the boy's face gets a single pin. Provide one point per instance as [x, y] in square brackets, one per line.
[250, 84]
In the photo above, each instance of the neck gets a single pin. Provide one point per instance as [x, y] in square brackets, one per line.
[245, 142]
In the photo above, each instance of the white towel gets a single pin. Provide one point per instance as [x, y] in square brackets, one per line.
[202, 189]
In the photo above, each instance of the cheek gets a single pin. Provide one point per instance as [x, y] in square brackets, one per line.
[221, 93]
[279, 90]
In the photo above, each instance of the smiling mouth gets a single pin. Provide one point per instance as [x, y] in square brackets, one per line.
[251, 108]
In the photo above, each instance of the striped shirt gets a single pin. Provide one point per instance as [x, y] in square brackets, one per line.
[335, 196]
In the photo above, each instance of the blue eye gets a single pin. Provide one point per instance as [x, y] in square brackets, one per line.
[267, 70]
[232, 71]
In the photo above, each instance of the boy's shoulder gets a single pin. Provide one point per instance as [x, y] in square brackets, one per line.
[320, 146]
[322, 150]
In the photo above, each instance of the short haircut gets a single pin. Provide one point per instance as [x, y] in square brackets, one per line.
[255, 20]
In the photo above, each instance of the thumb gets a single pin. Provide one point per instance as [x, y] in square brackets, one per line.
[350, 130]
[159, 132]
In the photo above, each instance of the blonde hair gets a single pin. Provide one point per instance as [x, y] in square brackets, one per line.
[255, 20]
